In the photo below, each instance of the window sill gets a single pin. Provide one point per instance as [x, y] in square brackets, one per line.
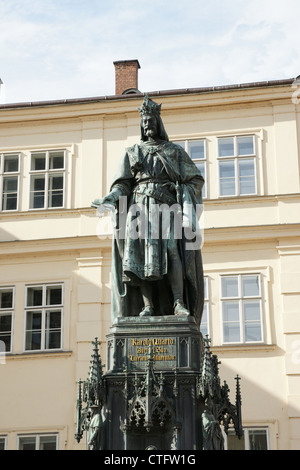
[37, 355]
[245, 347]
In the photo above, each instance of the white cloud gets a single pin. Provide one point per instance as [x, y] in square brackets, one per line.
[52, 49]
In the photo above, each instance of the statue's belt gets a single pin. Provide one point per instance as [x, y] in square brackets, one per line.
[156, 194]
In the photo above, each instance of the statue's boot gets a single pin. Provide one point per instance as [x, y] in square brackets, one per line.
[180, 310]
[147, 311]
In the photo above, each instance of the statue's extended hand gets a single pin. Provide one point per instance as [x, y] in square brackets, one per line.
[104, 200]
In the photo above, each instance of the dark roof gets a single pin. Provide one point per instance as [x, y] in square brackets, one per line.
[183, 91]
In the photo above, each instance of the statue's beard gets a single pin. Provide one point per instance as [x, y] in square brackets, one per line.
[150, 133]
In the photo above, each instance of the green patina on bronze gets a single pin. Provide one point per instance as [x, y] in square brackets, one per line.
[157, 275]
[161, 389]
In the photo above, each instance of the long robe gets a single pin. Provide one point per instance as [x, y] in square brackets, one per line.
[150, 175]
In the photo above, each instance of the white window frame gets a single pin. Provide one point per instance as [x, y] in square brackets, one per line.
[256, 428]
[9, 311]
[240, 299]
[246, 431]
[236, 158]
[206, 305]
[185, 144]
[47, 172]
[43, 308]
[4, 438]
[11, 174]
[38, 437]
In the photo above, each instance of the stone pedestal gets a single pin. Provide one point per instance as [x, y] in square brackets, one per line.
[151, 399]
[161, 391]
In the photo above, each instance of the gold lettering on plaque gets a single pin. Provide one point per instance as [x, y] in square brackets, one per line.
[158, 346]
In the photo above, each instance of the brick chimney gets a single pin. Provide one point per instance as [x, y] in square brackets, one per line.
[126, 76]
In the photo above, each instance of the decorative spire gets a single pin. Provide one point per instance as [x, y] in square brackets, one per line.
[208, 383]
[238, 405]
[93, 386]
[91, 392]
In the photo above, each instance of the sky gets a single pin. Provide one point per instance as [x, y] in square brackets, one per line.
[61, 49]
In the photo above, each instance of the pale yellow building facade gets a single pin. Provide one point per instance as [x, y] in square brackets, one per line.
[55, 253]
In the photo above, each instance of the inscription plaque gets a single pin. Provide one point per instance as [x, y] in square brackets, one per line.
[163, 350]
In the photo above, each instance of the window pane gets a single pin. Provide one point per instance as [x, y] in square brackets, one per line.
[34, 321]
[11, 163]
[52, 339]
[5, 323]
[251, 311]
[53, 295]
[253, 332]
[226, 147]
[196, 149]
[2, 443]
[247, 176]
[53, 332]
[34, 296]
[227, 187]
[230, 286]
[53, 329]
[38, 161]
[245, 145]
[250, 286]
[56, 160]
[27, 443]
[231, 332]
[10, 193]
[227, 178]
[6, 298]
[37, 192]
[258, 439]
[47, 443]
[53, 319]
[10, 184]
[56, 184]
[201, 168]
[38, 183]
[231, 311]
[33, 341]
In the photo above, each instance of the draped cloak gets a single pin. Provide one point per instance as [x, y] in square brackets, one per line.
[152, 174]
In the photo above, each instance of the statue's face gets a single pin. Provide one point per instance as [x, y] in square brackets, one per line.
[149, 124]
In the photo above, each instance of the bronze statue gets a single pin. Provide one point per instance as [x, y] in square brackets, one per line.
[94, 428]
[211, 431]
[157, 264]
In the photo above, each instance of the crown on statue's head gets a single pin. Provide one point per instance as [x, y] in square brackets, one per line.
[149, 107]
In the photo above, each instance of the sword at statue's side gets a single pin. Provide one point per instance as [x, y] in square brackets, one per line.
[181, 243]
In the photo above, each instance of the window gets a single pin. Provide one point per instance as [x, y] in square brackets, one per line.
[241, 308]
[256, 438]
[6, 318]
[3, 442]
[237, 166]
[197, 151]
[38, 442]
[9, 181]
[47, 179]
[44, 312]
[204, 327]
